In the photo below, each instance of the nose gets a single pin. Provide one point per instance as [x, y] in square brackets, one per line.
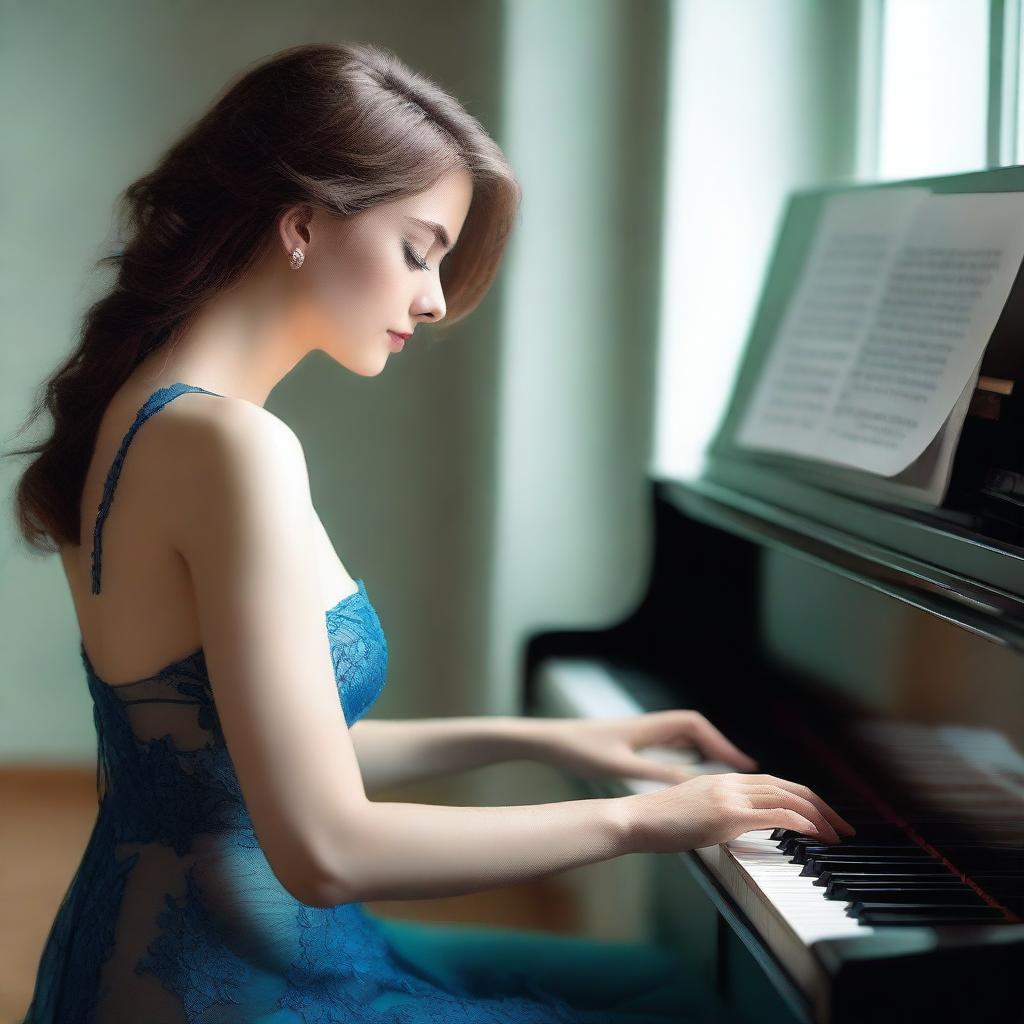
[434, 314]
[434, 308]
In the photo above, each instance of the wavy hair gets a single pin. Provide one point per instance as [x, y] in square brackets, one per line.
[338, 126]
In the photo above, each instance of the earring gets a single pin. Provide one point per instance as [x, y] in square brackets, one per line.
[297, 257]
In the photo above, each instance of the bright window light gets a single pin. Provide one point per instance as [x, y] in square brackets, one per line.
[934, 87]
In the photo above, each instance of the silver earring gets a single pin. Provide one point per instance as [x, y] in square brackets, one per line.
[297, 257]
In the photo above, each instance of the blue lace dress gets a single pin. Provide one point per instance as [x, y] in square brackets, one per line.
[174, 914]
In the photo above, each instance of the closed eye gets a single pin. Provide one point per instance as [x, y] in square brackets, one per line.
[415, 262]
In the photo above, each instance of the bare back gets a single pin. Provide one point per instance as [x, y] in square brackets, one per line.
[148, 615]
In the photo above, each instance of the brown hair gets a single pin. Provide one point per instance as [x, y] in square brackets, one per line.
[339, 126]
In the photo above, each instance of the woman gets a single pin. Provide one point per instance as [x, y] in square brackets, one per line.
[330, 199]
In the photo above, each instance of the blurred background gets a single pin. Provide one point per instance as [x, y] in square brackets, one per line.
[495, 484]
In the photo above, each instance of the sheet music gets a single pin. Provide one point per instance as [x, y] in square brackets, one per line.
[899, 297]
[925, 482]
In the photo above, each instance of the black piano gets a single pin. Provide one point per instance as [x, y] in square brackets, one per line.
[870, 650]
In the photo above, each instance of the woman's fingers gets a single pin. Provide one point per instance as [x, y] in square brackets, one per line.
[836, 820]
[762, 797]
[783, 817]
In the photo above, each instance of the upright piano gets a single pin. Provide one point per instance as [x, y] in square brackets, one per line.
[873, 651]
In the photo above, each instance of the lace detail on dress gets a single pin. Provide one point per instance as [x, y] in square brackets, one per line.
[342, 969]
[359, 654]
[190, 960]
[162, 751]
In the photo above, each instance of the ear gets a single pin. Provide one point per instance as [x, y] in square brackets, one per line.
[294, 227]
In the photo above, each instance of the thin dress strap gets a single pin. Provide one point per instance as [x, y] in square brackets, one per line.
[154, 403]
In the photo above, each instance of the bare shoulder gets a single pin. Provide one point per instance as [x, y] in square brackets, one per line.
[222, 451]
[201, 424]
[206, 435]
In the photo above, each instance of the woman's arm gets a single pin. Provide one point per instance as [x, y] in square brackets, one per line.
[393, 752]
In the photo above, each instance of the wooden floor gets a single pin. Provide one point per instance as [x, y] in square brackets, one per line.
[47, 816]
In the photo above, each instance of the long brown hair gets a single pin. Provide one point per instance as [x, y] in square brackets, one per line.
[339, 126]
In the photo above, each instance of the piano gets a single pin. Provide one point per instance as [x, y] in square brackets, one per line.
[873, 651]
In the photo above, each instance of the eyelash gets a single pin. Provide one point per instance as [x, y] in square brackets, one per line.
[413, 260]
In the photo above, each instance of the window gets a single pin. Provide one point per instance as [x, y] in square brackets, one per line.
[768, 98]
[933, 97]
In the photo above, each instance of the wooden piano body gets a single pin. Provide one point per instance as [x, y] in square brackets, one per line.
[873, 652]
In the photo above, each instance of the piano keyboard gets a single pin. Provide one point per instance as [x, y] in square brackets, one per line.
[876, 879]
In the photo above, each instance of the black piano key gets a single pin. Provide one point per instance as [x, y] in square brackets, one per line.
[840, 851]
[849, 842]
[937, 896]
[892, 838]
[818, 864]
[837, 852]
[838, 889]
[968, 857]
[802, 854]
[944, 831]
[923, 871]
[827, 878]
[893, 918]
[861, 910]
[1004, 847]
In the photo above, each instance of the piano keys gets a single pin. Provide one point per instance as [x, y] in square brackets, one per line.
[819, 907]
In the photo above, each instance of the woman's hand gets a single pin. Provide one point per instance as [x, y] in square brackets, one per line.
[596, 748]
[712, 809]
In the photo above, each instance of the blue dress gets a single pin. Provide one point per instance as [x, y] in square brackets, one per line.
[174, 914]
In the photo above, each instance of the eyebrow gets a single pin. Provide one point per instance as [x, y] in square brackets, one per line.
[439, 230]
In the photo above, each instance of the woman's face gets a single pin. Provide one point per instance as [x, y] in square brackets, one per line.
[372, 272]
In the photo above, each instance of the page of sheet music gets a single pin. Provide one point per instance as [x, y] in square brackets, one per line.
[898, 299]
[925, 481]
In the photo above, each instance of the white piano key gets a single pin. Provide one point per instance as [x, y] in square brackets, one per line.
[801, 904]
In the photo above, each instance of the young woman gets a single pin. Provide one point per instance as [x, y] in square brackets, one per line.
[330, 199]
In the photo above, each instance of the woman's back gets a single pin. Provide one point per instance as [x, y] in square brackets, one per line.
[148, 614]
